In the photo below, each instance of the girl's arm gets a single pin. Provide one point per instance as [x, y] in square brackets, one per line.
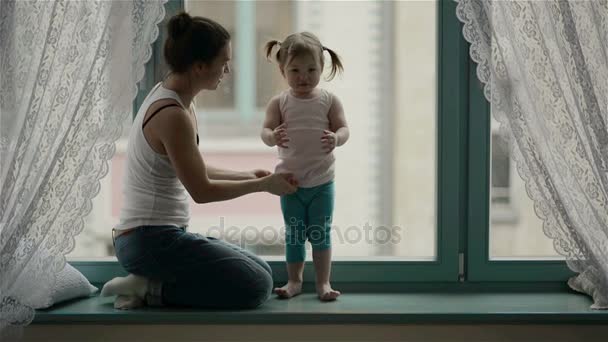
[338, 134]
[273, 132]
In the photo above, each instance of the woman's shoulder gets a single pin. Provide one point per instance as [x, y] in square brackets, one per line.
[163, 104]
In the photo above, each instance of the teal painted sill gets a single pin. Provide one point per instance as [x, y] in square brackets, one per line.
[370, 302]
[342, 271]
[351, 308]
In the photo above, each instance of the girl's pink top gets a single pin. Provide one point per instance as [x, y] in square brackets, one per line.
[306, 119]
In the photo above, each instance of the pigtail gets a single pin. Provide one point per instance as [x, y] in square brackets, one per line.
[336, 64]
[269, 46]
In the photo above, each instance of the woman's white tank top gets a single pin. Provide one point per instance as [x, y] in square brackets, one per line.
[153, 195]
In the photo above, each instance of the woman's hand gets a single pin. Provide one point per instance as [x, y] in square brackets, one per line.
[279, 135]
[281, 184]
[329, 141]
[258, 173]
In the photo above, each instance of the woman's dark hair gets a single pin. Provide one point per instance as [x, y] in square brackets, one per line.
[192, 39]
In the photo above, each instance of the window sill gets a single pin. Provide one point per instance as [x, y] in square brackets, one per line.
[351, 308]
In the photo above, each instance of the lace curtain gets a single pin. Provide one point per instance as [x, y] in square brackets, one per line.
[545, 69]
[69, 71]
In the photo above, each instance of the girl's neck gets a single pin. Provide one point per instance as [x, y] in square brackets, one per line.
[308, 95]
[180, 84]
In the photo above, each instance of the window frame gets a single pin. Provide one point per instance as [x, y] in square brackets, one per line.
[450, 153]
[479, 265]
[462, 243]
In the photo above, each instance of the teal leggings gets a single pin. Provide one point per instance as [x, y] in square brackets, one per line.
[308, 215]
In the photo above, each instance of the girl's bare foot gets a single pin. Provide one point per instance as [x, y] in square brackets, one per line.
[326, 293]
[291, 289]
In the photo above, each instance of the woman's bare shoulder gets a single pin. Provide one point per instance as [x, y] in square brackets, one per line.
[155, 130]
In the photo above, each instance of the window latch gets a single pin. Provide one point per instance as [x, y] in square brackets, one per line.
[461, 276]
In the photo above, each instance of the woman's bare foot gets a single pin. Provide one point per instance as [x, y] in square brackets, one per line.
[291, 289]
[128, 302]
[326, 293]
[131, 285]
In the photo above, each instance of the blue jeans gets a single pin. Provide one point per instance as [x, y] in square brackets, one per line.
[191, 270]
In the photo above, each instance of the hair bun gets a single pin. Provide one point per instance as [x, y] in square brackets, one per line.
[179, 24]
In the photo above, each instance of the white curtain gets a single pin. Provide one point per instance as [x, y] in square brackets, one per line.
[545, 69]
[69, 71]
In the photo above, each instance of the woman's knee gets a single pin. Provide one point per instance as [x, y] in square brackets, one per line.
[264, 265]
[259, 293]
[252, 256]
[255, 285]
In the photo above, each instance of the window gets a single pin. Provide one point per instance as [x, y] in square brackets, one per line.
[424, 178]
[387, 208]
[237, 108]
[366, 220]
[502, 206]
[515, 230]
[505, 240]
[501, 170]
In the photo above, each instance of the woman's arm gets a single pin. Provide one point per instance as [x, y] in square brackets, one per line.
[217, 173]
[177, 137]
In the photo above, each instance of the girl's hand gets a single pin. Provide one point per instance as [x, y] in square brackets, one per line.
[329, 141]
[280, 135]
[258, 173]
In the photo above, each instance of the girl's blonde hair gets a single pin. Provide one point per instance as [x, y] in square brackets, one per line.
[298, 44]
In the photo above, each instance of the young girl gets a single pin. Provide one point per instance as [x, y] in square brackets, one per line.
[306, 123]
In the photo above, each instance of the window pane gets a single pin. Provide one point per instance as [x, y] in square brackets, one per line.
[269, 82]
[415, 132]
[222, 11]
[515, 230]
[385, 175]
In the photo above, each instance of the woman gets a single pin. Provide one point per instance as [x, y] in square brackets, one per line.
[168, 265]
